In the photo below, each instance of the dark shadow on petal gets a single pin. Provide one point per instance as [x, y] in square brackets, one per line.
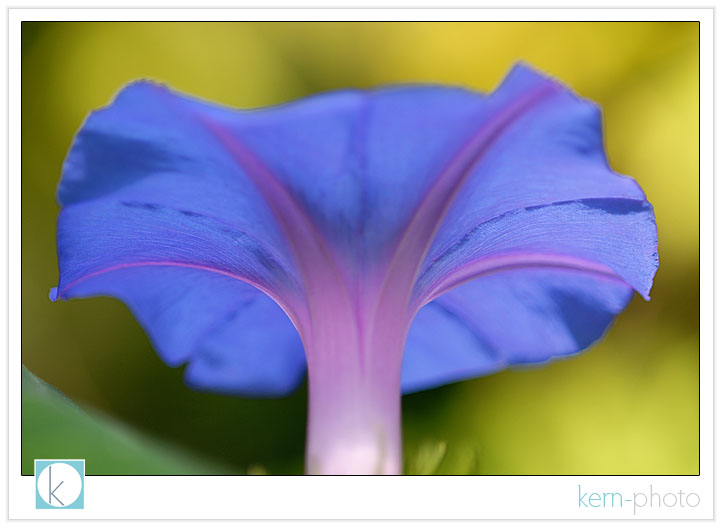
[585, 318]
[120, 160]
[616, 206]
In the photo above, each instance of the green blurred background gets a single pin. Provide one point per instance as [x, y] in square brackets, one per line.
[629, 405]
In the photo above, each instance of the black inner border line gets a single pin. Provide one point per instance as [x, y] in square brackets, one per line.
[699, 216]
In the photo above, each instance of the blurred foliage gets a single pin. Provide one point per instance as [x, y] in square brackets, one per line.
[629, 405]
[54, 427]
[426, 460]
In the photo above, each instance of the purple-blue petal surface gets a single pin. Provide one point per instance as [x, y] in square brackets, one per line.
[491, 227]
[550, 159]
[506, 318]
[234, 338]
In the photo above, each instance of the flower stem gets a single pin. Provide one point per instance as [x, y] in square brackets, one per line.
[354, 425]
[354, 411]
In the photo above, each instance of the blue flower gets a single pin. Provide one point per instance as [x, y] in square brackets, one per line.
[384, 241]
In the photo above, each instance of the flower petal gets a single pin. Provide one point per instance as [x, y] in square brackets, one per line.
[144, 183]
[506, 318]
[358, 162]
[234, 337]
[549, 158]
[498, 274]
[159, 215]
[541, 205]
[616, 237]
[366, 203]
[256, 352]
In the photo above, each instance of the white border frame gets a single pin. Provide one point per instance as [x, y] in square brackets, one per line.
[409, 497]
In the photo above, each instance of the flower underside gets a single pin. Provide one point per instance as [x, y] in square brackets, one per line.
[383, 241]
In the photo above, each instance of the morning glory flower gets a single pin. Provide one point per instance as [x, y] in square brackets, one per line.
[382, 241]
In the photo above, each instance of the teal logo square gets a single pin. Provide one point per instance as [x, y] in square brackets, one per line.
[59, 484]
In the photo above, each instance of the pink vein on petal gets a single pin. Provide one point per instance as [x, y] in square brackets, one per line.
[315, 261]
[426, 220]
[161, 263]
[504, 262]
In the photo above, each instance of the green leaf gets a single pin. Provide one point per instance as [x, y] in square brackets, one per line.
[55, 427]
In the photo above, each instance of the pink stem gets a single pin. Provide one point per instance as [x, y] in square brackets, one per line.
[354, 376]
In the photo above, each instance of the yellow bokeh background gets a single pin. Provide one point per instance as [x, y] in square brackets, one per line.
[629, 405]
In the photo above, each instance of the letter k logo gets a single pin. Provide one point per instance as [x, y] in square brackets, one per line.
[51, 490]
[59, 484]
